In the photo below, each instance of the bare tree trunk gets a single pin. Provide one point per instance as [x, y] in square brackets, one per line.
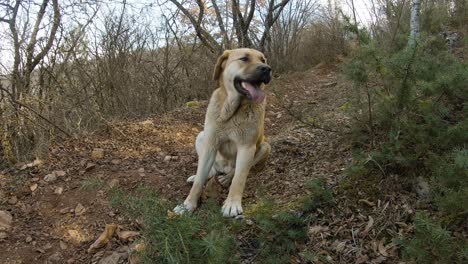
[414, 34]
[355, 23]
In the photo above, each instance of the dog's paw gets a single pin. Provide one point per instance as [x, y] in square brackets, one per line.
[191, 178]
[232, 208]
[184, 208]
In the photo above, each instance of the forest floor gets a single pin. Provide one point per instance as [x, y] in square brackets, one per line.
[61, 205]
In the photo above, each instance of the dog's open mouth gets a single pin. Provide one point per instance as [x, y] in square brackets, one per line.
[250, 89]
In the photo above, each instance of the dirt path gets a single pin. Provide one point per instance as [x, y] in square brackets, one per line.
[55, 221]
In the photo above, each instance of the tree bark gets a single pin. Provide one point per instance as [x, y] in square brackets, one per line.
[415, 23]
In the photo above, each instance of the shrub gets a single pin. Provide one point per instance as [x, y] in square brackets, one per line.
[433, 244]
[200, 238]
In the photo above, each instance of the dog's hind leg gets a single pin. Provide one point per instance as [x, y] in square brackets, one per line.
[259, 161]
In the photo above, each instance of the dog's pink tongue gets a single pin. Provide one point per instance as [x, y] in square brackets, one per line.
[256, 93]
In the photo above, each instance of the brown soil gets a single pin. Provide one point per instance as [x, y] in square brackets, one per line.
[307, 131]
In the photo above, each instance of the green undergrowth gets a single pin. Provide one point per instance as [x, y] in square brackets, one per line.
[271, 234]
[409, 107]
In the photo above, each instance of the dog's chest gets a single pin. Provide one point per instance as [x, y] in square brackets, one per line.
[242, 126]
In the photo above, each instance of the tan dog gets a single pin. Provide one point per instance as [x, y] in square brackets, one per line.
[233, 139]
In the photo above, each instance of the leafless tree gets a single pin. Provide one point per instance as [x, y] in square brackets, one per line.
[242, 22]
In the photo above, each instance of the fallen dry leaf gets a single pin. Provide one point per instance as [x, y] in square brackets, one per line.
[127, 235]
[33, 187]
[367, 202]
[369, 226]
[104, 238]
[382, 249]
[79, 209]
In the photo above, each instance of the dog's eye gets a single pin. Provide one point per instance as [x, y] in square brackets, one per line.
[263, 60]
[245, 59]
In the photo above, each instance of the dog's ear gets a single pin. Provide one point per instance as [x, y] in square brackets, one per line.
[219, 65]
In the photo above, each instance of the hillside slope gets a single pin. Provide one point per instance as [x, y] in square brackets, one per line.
[57, 218]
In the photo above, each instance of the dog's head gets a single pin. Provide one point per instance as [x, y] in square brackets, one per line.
[243, 72]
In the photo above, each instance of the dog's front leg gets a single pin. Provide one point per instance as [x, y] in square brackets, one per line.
[205, 162]
[233, 204]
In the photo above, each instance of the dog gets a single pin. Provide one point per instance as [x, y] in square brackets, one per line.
[233, 139]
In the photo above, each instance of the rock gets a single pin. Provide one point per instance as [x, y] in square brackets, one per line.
[79, 209]
[141, 170]
[113, 258]
[63, 245]
[167, 158]
[127, 235]
[5, 220]
[47, 246]
[50, 177]
[115, 161]
[3, 235]
[33, 187]
[75, 237]
[422, 187]
[60, 173]
[104, 238]
[58, 190]
[114, 183]
[71, 261]
[13, 200]
[55, 258]
[97, 153]
[35, 179]
[28, 239]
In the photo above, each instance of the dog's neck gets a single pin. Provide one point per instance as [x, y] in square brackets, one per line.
[231, 103]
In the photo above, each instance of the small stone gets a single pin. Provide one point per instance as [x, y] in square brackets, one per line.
[60, 173]
[28, 239]
[50, 177]
[58, 190]
[79, 209]
[5, 220]
[35, 179]
[167, 158]
[114, 183]
[47, 246]
[115, 161]
[55, 258]
[113, 258]
[141, 170]
[13, 200]
[63, 245]
[70, 261]
[33, 187]
[3, 235]
[422, 187]
[64, 210]
[249, 222]
[97, 153]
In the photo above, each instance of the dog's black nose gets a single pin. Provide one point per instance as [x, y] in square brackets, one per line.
[265, 69]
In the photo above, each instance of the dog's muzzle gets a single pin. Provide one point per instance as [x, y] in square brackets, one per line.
[250, 86]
